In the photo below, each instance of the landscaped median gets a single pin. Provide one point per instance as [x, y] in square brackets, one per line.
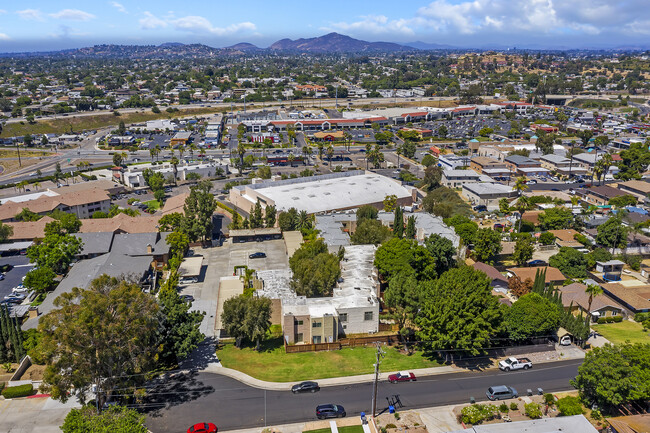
[274, 365]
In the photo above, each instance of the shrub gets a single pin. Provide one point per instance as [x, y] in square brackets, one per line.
[618, 319]
[601, 320]
[18, 391]
[391, 425]
[2, 386]
[570, 406]
[503, 408]
[549, 398]
[547, 238]
[595, 414]
[609, 319]
[514, 406]
[397, 416]
[477, 413]
[533, 411]
[641, 317]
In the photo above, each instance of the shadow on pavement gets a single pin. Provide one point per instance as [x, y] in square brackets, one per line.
[202, 356]
[173, 390]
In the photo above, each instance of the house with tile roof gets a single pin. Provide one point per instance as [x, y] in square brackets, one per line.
[80, 203]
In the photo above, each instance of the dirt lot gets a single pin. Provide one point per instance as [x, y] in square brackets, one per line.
[401, 421]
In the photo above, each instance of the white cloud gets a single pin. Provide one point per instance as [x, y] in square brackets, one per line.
[4, 37]
[30, 14]
[2, 11]
[376, 24]
[150, 21]
[192, 24]
[119, 6]
[197, 24]
[72, 15]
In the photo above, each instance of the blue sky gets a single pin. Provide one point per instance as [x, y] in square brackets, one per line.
[38, 25]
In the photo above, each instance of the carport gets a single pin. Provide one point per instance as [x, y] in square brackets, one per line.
[191, 267]
[251, 235]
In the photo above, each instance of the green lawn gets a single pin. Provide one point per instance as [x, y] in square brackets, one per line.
[618, 333]
[274, 365]
[153, 204]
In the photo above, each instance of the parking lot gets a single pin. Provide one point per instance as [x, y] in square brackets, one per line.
[220, 262]
[13, 277]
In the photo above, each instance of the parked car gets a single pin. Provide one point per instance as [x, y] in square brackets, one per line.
[15, 298]
[203, 427]
[189, 280]
[257, 255]
[307, 386]
[187, 298]
[2, 277]
[480, 208]
[402, 376]
[531, 182]
[513, 363]
[20, 289]
[501, 392]
[324, 411]
[537, 263]
[565, 340]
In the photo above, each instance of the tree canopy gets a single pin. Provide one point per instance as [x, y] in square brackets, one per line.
[459, 312]
[404, 256]
[442, 250]
[613, 375]
[315, 270]
[487, 244]
[247, 317]
[555, 218]
[114, 419]
[199, 208]
[571, 262]
[531, 315]
[370, 231]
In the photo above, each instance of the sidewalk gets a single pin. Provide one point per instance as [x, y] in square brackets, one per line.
[32, 415]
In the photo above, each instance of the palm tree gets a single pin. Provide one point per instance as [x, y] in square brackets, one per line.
[37, 185]
[174, 161]
[348, 138]
[22, 184]
[306, 151]
[291, 158]
[330, 153]
[602, 167]
[192, 148]
[368, 149]
[304, 222]
[398, 151]
[320, 146]
[520, 185]
[593, 290]
[181, 151]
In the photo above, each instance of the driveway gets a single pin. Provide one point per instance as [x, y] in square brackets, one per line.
[34, 415]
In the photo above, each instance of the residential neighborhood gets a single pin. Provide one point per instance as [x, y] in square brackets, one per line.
[324, 235]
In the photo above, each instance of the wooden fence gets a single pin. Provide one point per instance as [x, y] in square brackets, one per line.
[343, 342]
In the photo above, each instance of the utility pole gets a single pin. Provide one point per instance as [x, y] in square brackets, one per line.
[336, 95]
[20, 164]
[380, 354]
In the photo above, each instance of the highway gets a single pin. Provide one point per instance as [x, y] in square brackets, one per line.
[199, 397]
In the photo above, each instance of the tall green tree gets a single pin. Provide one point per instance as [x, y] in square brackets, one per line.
[402, 299]
[612, 234]
[99, 336]
[459, 312]
[524, 248]
[41, 280]
[614, 375]
[442, 250]
[55, 251]
[487, 244]
[246, 317]
[256, 219]
[634, 161]
[556, 218]
[315, 270]
[6, 231]
[398, 222]
[269, 215]
[370, 231]
[571, 262]
[530, 316]
[404, 256]
[366, 212]
[199, 208]
[410, 228]
[179, 328]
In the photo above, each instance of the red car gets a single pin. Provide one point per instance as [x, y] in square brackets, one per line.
[203, 427]
[402, 376]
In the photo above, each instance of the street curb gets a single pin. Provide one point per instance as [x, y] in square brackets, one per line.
[337, 381]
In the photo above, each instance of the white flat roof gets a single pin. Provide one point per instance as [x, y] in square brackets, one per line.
[191, 266]
[325, 193]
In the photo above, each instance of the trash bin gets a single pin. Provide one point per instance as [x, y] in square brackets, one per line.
[391, 409]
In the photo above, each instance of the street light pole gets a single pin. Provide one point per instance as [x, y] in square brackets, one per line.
[380, 353]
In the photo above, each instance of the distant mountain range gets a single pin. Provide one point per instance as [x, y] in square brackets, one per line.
[329, 43]
[335, 43]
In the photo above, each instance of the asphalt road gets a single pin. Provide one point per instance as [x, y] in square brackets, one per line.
[207, 397]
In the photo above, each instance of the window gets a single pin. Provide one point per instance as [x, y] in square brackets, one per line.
[367, 315]
[317, 339]
[297, 322]
[614, 313]
[343, 317]
[299, 338]
[316, 325]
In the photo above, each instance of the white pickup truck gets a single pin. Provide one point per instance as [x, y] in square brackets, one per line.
[513, 363]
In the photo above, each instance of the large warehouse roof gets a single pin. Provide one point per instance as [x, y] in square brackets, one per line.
[329, 192]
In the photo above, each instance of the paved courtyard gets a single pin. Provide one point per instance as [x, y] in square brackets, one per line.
[220, 262]
[33, 415]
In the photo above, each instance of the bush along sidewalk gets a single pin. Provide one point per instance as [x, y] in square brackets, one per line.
[18, 391]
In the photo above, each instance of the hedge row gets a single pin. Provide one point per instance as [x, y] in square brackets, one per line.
[610, 319]
[18, 391]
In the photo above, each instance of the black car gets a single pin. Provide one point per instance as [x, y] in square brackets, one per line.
[537, 263]
[330, 411]
[187, 298]
[480, 208]
[257, 255]
[305, 387]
